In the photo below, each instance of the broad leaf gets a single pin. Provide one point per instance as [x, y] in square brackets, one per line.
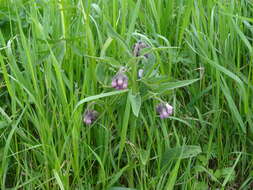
[135, 101]
[188, 151]
[160, 88]
[102, 95]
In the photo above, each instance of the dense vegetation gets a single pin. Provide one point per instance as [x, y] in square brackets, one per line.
[58, 59]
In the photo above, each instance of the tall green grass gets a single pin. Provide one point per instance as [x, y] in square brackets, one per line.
[57, 57]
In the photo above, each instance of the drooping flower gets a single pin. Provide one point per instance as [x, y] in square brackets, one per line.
[120, 81]
[138, 47]
[90, 116]
[164, 110]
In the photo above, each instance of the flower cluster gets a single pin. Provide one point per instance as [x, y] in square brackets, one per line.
[90, 116]
[137, 52]
[164, 110]
[120, 81]
[138, 47]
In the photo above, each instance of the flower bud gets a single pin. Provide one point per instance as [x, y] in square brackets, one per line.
[90, 116]
[140, 73]
[169, 109]
[164, 110]
[114, 84]
[138, 47]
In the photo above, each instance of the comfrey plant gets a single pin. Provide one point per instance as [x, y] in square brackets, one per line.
[140, 78]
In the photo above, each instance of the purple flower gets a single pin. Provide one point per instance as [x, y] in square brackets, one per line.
[164, 110]
[120, 81]
[138, 47]
[90, 116]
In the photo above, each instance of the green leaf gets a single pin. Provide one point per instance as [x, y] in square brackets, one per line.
[232, 76]
[134, 16]
[58, 179]
[170, 85]
[105, 46]
[102, 95]
[224, 172]
[101, 72]
[114, 35]
[241, 34]
[121, 188]
[107, 60]
[102, 75]
[123, 132]
[117, 176]
[200, 169]
[188, 151]
[135, 101]
[144, 156]
[102, 169]
[229, 173]
[200, 186]
[173, 175]
[232, 105]
[7, 147]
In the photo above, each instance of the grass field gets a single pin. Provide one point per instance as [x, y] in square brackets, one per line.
[58, 59]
